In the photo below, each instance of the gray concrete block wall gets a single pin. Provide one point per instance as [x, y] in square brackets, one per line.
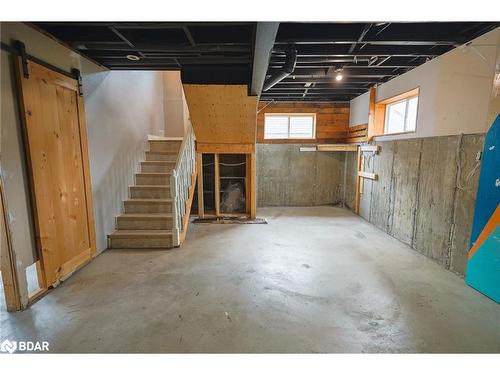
[435, 196]
[287, 176]
[350, 170]
[381, 190]
[465, 200]
[405, 173]
[416, 198]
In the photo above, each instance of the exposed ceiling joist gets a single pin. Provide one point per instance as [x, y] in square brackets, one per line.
[249, 52]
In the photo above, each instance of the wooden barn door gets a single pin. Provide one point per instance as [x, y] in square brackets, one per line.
[57, 153]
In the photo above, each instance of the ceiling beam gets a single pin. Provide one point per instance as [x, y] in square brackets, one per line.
[121, 36]
[367, 28]
[369, 50]
[265, 35]
[179, 48]
[181, 61]
[311, 92]
[189, 36]
[348, 66]
[341, 99]
[403, 42]
[354, 70]
[143, 25]
[314, 88]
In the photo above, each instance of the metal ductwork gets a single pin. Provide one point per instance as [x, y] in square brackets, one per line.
[285, 71]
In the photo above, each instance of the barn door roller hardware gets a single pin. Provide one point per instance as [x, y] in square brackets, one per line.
[76, 74]
[17, 48]
[21, 50]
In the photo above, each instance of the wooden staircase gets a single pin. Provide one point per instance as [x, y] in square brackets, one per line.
[146, 222]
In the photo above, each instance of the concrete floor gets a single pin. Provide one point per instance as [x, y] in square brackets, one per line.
[312, 280]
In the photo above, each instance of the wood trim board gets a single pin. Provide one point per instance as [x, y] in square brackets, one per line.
[225, 148]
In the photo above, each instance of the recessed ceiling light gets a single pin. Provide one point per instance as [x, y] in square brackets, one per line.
[133, 57]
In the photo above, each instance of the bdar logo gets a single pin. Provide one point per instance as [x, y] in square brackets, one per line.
[8, 346]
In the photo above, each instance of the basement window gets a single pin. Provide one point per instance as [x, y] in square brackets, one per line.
[401, 115]
[289, 126]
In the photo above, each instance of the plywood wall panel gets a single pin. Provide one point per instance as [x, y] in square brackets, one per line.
[222, 113]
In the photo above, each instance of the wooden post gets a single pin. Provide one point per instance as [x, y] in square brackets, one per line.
[371, 131]
[175, 209]
[361, 168]
[199, 166]
[247, 184]
[253, 184]
[358, 183]
[217, 184]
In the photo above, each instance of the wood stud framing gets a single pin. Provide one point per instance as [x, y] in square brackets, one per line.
[217, 184]
[199, 165]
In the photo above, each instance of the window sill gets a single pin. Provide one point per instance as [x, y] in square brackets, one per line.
[289, 140]
[394, 134]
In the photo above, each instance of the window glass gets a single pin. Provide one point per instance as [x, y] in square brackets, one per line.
[292, 126]
[396, 117]
[301, 127]
[401, 116]
[411, 117]
[276, 127]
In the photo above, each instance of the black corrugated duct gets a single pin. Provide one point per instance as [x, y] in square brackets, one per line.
[285, 71]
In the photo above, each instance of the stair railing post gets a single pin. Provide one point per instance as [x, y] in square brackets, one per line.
[175, 209]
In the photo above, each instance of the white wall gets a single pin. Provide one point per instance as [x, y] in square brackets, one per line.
[455, 90]
[175, 104]
[358, 113]
[122, 108]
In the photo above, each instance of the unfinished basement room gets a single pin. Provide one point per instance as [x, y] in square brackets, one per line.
[250, 187]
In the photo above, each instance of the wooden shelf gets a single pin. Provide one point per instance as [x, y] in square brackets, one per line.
[336, 147]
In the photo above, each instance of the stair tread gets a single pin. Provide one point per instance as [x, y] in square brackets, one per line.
[158, 162]
[139, 233]
[163, 152]
[148, 200]
[149, 186]
[141, 214]
[153, 173]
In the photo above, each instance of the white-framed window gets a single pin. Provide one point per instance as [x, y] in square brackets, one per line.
[401, 116]
[289, 126]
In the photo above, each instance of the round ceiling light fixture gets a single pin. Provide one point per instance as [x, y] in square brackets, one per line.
[133, 57]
